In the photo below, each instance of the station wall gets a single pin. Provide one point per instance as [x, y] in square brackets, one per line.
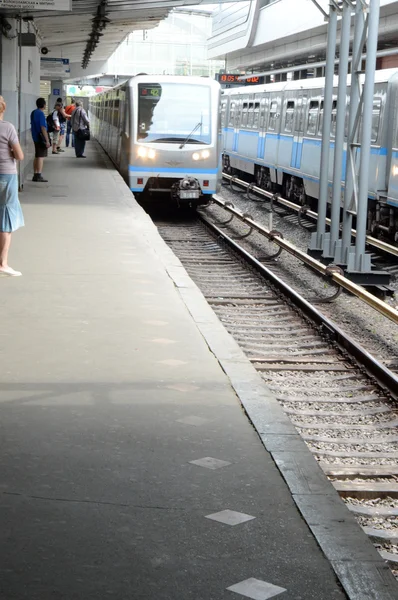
[19, 116]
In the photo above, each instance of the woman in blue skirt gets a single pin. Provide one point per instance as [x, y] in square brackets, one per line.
[11, 217]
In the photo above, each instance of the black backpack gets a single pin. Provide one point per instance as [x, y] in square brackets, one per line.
[50, 123]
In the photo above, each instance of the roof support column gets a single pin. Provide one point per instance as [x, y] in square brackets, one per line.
[351, 192]
[331, 240]
[361, 261]
[317, 239]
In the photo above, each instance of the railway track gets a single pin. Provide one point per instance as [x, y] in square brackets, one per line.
[384, 255]
[340, 399]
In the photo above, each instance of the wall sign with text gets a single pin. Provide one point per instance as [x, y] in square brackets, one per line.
[37, 4]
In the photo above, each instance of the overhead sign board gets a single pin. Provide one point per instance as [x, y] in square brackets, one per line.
[54, 67]
[28, 5]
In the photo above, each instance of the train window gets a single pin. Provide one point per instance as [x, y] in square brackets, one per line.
[244, 115]
[289, 116]
[334, 117]
[223, 112]
[256, 115]
[273, 115]
[263, 113]
[232, 110]
[116, 112]
[376, 119]
[333, 124]
[313, 117]
[250, 117]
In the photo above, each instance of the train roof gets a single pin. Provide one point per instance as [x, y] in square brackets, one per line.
[381, 76]
[144, 78]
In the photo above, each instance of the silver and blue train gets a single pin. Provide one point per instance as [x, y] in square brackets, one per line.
[272, 135]
[164, 135]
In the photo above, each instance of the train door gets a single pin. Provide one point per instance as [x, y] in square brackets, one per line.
[298, 137]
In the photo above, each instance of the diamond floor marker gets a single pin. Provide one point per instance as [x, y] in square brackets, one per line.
[230, 517]
[210, 463]
[256, 589]
[196, 421]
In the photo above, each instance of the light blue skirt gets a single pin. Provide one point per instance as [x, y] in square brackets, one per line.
[11, 216]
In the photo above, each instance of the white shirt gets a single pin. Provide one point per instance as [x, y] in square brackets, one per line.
[56, 118]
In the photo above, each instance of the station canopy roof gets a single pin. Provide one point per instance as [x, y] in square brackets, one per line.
[93, 29]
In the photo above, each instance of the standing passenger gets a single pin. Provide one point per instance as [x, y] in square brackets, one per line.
[69, 132]
[63, 117]
[11, 217]
[80, 123]
[40, 137]
[57, 128]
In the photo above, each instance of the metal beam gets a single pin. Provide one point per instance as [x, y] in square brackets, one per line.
[322, 63]
[319, 7]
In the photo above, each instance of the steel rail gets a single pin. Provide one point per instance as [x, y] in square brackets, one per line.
[385, 378]
[383, 246]
[377, 304]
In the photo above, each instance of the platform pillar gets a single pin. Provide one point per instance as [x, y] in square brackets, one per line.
[360, 261]
[329, 244]
[350, 191]
[317, 238]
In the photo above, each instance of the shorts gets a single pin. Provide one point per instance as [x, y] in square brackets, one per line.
[55, 136]
[62, 130]
[40, 150]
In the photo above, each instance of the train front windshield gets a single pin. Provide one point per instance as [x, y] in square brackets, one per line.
[174, 113]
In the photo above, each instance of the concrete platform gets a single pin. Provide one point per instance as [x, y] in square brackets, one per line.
[128, 468]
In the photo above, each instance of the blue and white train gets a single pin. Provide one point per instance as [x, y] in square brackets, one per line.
[272, 135]
[163, 133]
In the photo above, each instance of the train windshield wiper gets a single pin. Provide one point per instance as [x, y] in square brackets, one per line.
[192, 132]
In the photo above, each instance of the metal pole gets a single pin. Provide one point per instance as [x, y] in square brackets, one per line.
[361, 264]
[352, 137]
[326, 126]
[340, 123]
[20, 183]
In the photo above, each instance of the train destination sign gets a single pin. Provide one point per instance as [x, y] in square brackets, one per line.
[28, 5]
[232, 79]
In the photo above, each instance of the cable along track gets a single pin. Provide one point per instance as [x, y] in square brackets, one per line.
[348, 420]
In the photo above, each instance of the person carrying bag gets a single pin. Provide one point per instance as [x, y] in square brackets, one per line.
[81, 128]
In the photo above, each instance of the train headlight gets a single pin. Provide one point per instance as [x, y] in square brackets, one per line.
[151, 153]
[142, 152]
[201, 155]
[395, 170]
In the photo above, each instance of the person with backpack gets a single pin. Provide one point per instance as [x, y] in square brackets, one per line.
[81, 128]
[40, 138]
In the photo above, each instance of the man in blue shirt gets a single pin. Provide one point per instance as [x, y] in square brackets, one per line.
[40, 137]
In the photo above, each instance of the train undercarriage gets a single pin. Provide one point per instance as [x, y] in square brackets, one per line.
[382, 220]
